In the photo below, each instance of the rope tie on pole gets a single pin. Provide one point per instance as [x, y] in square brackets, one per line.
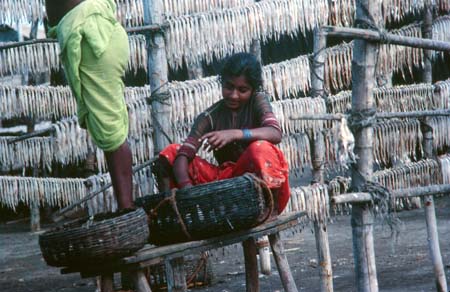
[359, 120]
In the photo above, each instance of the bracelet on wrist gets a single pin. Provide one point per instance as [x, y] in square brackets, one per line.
[247, 134]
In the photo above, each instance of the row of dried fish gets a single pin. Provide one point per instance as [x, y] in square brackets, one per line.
[391, 58]
[396, 140]
[441, 132]
[286, 109]
[203, 36]
[53, 192]
[60, 192]
[43, 57]
[412, 174]
[20, 11]
[52, 102]
[403, 98]
[28, 153]
[297, 150]
[313, 199]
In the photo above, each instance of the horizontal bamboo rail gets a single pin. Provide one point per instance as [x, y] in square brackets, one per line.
[152, 28]
[385, 37]
[413, 114]
[401, 193]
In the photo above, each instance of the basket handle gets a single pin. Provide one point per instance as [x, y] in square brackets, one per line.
[268, 196]
[173, 202]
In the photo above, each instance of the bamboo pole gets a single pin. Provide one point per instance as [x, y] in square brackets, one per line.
[359, 197]
[157, 72]
[385, 37]
[363, 72]
[379, 115]
[318, 63]
[150, 28]
[320, 229]
[427, 131]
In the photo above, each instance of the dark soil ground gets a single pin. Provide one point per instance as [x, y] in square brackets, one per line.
[402, 264]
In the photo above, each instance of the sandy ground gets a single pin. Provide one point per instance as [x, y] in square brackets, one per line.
[402, 264]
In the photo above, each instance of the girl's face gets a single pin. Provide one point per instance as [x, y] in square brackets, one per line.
[236, 92]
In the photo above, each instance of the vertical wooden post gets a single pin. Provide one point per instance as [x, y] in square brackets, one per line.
[251, 265]
[140, 282]
[430, 217]
[318, 64]
[427, 132]
[157, 72]
[363, 74]
[107, 283]
[320, 229]
[179, 275]
[35, 216]
[283, 266]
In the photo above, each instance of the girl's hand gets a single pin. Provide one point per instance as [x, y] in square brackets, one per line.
[217, 139]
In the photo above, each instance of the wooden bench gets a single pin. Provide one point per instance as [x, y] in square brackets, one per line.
[170, 255]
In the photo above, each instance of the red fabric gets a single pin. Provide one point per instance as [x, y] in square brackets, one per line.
[261, 157]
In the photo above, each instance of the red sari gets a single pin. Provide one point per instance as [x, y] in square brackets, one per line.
[261, 158]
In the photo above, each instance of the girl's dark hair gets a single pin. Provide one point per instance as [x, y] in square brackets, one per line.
[243, 64]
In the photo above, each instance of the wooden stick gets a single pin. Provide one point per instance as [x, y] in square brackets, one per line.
[337, 117]
[251, 265]
[320, 229]
[386, 38]
[360, 197]
[31, 135]
[58, 216]
[282, 263]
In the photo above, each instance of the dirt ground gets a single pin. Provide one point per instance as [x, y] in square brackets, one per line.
[402, 264]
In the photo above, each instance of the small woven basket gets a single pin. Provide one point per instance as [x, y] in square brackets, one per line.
[207, 210]
[102, 238]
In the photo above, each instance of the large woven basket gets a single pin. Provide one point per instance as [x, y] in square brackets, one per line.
[102, 238]
[207, 210]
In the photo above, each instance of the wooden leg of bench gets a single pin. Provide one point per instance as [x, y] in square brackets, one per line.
[175, 275]
[251, 265]
[107, 283]
[140, 282]
[283, 266]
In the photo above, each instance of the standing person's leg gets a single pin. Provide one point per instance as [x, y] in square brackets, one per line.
[120, 168]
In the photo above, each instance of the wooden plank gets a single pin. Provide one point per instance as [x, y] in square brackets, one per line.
[283, 266]
[151, 255]
[174, 250]
[251, 265]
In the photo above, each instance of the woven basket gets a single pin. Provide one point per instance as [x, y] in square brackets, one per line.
[207, 210]
[102, 238]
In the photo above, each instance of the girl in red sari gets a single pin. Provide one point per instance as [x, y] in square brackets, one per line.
[240, 129]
